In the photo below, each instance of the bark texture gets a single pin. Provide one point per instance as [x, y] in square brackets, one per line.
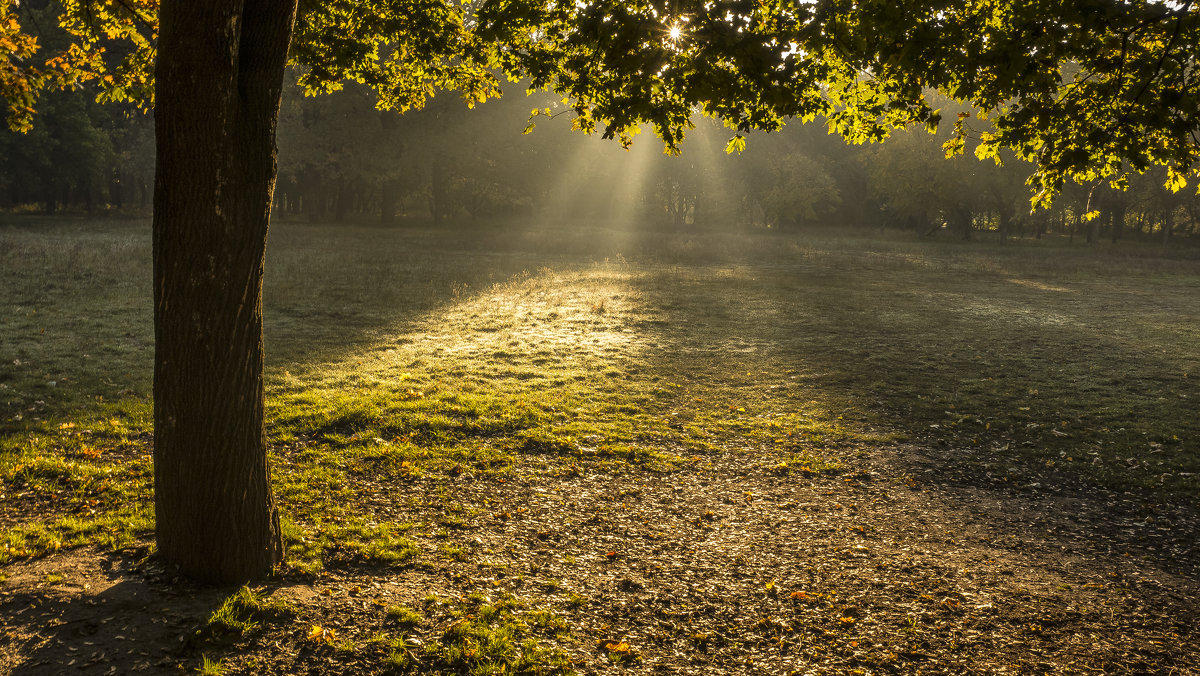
[219, 76]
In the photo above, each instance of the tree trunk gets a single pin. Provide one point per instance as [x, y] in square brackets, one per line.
[1118, 220]
[342, 199]
[437, 190]
[219, 76]
[388, 187]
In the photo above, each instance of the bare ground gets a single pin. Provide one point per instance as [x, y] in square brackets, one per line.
[896, 564]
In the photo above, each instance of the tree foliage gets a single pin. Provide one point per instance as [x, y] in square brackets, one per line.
[1087, 91]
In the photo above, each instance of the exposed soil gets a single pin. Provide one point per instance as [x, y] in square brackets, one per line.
[896, 564]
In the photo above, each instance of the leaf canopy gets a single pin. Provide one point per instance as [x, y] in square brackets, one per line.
[1088, 91]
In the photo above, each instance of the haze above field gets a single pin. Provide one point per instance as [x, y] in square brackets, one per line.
[341, 160]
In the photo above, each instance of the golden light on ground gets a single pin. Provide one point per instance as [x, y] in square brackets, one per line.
[1041, 286]
[559, 320]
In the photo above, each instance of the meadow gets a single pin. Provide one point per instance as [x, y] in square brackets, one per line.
[552, 449]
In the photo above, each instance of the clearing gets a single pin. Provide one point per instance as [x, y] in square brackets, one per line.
[544, 450]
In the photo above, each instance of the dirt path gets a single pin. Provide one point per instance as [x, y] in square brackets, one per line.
[728, 566]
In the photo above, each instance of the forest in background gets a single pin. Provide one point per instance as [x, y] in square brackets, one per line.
[342, 160]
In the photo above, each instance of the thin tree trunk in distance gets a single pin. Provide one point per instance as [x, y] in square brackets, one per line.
[1118, 220]
[219, 75]
[388, 187]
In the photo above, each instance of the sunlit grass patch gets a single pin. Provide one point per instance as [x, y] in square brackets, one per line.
[805, 463]
[115, 529]
[87, 479]
[74, 481]
[443, 399]
[242, 612]
[344, 537]
[404, 616]
[439, 414]
[210, 667]
[501, 636]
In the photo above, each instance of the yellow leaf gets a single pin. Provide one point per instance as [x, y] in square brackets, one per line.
[319, 633]
[1176, 180]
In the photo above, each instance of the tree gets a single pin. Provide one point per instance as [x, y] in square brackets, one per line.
[1077, 87]
[912, 182]
[794, 188]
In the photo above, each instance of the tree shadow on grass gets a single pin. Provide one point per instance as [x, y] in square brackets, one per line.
[1057, 409]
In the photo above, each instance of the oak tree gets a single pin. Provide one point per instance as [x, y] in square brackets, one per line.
[1087, 90]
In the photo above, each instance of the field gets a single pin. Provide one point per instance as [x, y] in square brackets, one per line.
[551, 450]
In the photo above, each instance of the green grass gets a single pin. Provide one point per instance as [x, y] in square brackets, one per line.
[420, 355]
[243, 612]
[115, 529]
[210, 667]
[475, 635]
[406, 617]
[342, 535]
[495, 637]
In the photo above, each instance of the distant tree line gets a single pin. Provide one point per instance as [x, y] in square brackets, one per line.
[79, 156]
[341, 159]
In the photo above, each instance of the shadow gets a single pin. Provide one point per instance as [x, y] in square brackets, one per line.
[89, 613]
[1023, 401]
[991, 375]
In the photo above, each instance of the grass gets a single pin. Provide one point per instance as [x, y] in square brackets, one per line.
[210, 667]
[341, 535]
[243, 612]
[400, 355]
[495, 637]
[404, 616]
[475, 635]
